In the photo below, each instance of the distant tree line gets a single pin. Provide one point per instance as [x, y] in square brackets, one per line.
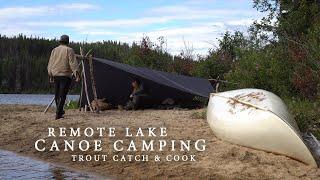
[23, 60]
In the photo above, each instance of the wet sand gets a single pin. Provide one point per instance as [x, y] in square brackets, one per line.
[22, 125]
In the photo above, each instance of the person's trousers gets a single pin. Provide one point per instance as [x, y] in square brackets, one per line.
[62, 85]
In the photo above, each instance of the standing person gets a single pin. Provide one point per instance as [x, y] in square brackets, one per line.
[61, 67]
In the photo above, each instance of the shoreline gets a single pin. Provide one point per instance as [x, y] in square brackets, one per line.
[22, 125]
[60, 166]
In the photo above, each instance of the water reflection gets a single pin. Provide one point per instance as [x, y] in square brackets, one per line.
[13, 166]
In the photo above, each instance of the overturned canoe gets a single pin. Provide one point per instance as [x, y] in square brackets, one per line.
[258, 119]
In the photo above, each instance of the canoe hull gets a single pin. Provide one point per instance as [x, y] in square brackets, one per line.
[255, 118]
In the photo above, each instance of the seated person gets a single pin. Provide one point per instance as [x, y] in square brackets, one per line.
[138, 97]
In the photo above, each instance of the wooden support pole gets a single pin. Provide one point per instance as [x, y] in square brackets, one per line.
[93, 85]
[86, 87]
[81, 93]
[81, 79]
[84, 80]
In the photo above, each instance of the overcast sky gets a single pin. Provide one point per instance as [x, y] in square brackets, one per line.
[197, 22]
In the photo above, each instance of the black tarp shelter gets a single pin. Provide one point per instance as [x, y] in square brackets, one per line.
[113, 82]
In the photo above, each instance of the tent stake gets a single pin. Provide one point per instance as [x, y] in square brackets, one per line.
[93, 84]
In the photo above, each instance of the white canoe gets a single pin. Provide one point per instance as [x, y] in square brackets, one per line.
[258, 119]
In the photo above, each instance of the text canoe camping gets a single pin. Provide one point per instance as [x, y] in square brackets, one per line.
[113, 82]
[257, 119]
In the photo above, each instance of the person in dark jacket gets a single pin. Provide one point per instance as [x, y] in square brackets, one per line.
[138, 96]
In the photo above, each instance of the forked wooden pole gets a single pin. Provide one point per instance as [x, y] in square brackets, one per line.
[86, 87]
[93, 85]
[81, 93]
[84, 79]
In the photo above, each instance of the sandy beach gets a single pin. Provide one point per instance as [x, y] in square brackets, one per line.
[22, 125]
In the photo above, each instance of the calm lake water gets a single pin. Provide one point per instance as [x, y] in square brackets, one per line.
[32, 99]
[14, 166]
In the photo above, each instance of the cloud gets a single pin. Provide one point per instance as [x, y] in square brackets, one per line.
[204, 2]
[200, 1]
[144, 21]
[197, 37]
[77, 6]
[102, 23]
[99, 32]
[15, 30]
[16, 12]
[9, 13]
[191, 21]
[189, 12]
[202, 36]
[242, 22]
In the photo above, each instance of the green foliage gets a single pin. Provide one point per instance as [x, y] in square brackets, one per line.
[285, 62]
[183, 66]
[201, 101]
[72, 104]
[220, 60]
[202, 114]
[306, 113]
[232, 45]
[265, 69]
[210, 68]
[284, 58]
[296, 17]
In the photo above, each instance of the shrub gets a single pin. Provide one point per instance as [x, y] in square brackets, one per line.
[72, 104]
[266, 69]
[306, 113]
